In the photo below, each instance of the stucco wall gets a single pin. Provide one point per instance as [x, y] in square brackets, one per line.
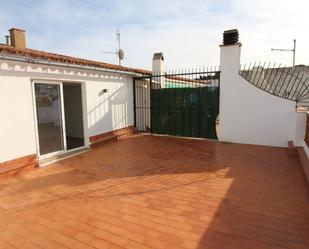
[250, 115]
[17, 132]
[110, 110]
[102, 112]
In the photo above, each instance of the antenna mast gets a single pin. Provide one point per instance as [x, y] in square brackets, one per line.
[119, 52]
[118, 38]
[288, 50]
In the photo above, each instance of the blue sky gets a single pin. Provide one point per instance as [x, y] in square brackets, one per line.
[187, 32]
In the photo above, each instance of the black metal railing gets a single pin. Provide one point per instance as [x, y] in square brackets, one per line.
[286, 82]
[178, 102]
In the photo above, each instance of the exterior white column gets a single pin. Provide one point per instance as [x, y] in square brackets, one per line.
[229, 66]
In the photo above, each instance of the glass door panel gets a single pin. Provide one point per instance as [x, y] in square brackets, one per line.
[49, 117]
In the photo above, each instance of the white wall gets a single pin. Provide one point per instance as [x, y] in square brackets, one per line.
[300, 129]
[102, 112]
[306, 149]
[111, 110]
[17, 133]
[250, 115]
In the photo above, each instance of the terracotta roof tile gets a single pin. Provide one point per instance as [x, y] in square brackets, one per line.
[36, 54]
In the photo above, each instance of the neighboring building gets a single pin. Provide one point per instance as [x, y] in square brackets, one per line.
[53, 104]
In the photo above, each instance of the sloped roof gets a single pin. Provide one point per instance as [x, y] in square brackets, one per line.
[36, 54]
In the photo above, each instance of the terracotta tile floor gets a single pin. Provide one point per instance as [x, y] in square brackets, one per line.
[159, 192]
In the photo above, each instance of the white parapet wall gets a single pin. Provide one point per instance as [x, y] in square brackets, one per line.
[250, 115]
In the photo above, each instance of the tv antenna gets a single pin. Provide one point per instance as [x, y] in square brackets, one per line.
[288, 50]
[119, 52]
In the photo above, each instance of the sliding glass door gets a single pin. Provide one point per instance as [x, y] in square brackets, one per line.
[49, 117]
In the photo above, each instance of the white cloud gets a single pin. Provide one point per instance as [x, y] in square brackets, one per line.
[188, 32]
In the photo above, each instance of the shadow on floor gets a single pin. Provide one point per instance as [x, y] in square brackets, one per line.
[265, 205]
[256, 196]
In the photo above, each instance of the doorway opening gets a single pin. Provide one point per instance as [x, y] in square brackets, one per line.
[73, 112]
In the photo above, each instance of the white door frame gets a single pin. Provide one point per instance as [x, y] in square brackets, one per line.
[60, 152]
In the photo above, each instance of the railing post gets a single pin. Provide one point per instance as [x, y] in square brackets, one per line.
[150, 106]
[134, 101]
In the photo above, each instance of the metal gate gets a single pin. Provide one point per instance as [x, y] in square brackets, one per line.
[183, 103]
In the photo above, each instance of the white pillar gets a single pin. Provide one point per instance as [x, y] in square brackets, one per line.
[230, 59]
[229, 66]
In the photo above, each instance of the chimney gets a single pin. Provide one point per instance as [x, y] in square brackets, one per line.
[230, 37]
[18, 39]
[230, 53]
[7, 40]
[158, 69]
[157, 63]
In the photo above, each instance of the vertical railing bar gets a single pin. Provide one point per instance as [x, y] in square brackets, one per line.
[162, 102]
[199, 110]
[140, 111]
[265, 76]
[301, 91]
[274, 78]
[250, 79]
[257, 70]
[287, 73]
[150, 105]
[159, 103]
[143, 106]
[270, 78]
[146, 104]
[249, 67]
[282, 71]
[300, 96]
[293, 84]
[243, 71]
[172, 115]
[136, 99]
[297, 86]
[183, 111]
[140, 105]
[134, 102]
[146, 80]
[306, 88]
[261, 75]
[191, 110]
[187, 115]
[289, 82]
[272, 75]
